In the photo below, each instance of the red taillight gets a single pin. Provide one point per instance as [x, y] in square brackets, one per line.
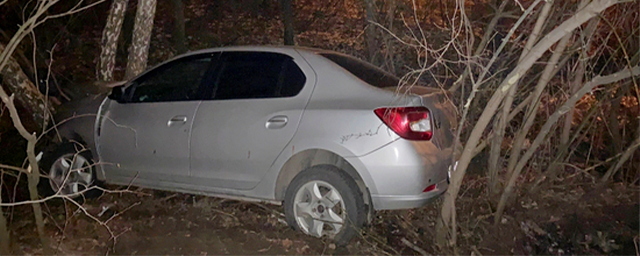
[412, 123]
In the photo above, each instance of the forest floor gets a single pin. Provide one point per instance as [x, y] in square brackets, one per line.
[575, 218]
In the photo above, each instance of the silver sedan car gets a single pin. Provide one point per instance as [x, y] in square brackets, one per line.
[330, 137]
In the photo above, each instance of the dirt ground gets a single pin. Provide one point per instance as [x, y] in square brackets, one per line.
[575, 218]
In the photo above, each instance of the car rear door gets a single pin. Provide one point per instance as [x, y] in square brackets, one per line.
[146, 134]
[256, 106]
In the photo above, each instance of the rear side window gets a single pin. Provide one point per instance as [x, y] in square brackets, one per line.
[365, 71]
[256, 75]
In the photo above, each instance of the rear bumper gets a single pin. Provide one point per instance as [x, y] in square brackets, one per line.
[400, 171]
[393, 202]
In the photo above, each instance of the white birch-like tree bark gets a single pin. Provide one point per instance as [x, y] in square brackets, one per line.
[139, 50]
[109, 43]
[26, 94]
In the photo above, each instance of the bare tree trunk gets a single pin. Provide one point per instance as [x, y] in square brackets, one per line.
[32, 97]
[389, 59]
[5, 249]
[23, 61]
[616, 138]
[17, 80]
[628, 153]
[26, 94]
[287, 20]
[574, 86]
[179, 36]
[139, 50]
[623, 159]
[33, 176]
[110, 36]
[445, 223]
[370, 31]
[530, 115]
[579, 77]
[495, 165]
[546, 128]
[564, 151]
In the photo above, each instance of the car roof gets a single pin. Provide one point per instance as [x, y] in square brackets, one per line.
[258, 48]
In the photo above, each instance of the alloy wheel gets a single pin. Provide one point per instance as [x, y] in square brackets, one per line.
[319, 209]
[70, 174]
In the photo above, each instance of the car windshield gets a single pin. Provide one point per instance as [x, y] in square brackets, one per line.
[363, 70]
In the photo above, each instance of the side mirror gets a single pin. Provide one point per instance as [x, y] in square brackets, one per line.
[117, 94]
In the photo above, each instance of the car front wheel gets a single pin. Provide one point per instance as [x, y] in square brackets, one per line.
[68, 171]
[324, 201]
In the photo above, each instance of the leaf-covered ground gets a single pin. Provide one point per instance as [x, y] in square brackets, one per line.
[574, 217]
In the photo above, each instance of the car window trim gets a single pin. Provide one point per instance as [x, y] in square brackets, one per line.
[133, 84]
[224, 56]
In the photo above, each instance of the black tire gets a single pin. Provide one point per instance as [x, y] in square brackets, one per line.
[347, 188]
[72, 151]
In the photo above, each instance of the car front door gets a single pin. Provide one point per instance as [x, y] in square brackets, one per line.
[254, 112]
[146, 134]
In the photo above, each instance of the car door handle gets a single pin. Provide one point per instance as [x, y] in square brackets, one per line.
[277, 122]
[177, 120]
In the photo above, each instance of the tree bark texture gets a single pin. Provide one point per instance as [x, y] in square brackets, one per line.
[109, 43]
[287, 20]
[179, 35]
[139, 50]
[16, 82]
[25, 63]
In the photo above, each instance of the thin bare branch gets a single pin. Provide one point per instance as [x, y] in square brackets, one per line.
[566, 27]
[546, 128]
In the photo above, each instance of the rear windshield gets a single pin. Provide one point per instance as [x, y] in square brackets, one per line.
[363, 70]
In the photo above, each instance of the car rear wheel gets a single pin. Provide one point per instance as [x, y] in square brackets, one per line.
[68, 170]
[324, 201]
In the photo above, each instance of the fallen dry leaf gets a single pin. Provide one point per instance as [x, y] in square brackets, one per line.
[287, 243]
